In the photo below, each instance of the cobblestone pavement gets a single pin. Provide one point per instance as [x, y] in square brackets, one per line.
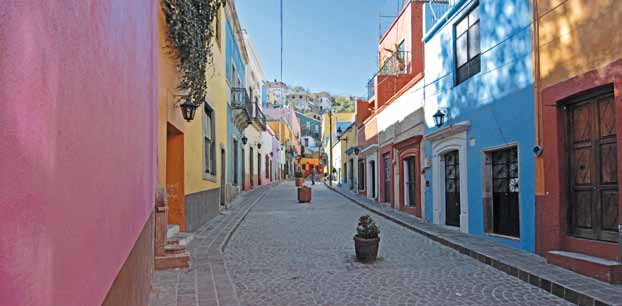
[285, 253]
[207, 282]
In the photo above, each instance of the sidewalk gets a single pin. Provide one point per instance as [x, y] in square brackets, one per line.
[528, 267]
[207, 282]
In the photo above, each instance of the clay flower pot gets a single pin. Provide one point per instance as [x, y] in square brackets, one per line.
[300, 182]
[366, 249]
[304, 194]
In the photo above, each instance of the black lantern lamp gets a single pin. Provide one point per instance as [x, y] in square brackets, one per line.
[339, 130]
[244, 140]
[356, 151]
[439, 118]
[259, 145]
[188, 109]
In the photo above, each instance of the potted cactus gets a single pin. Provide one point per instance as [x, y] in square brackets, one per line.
[304, 194]
[367, 239]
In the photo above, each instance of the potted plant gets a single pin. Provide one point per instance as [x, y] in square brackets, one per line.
[304, 194]
[367, 239]
[299, 178]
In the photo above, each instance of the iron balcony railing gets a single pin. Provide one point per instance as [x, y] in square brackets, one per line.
[239, 98]
[397, 63]
[371, 87]
[439, 7]
[258, 116]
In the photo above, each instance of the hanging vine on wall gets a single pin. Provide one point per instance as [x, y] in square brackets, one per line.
[190, 32]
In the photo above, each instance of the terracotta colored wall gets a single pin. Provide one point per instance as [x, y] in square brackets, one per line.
[552, 227]
[77, 145]
[362, 111]
[577, 36]
[580, 48]
[408, 26]
[368, 133]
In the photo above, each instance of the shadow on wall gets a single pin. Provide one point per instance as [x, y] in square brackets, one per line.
[505, 48]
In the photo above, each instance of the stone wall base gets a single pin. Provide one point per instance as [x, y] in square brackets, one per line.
[132, 285]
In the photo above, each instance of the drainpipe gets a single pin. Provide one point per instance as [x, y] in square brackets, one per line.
[535, 41]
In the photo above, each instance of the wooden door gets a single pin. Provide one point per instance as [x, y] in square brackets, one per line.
[505, 192]
[175, 176]
[593, 165]
[452, 188]
[411, 175]
[387, 177]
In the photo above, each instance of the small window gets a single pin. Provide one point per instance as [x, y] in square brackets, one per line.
[467, 46]
[209, 152]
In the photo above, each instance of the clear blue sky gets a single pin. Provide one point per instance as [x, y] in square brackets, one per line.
[329, 45]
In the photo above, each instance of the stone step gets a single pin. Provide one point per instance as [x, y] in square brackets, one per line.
[600, 268]
[172, 230]
[183, 238]
[172, 261]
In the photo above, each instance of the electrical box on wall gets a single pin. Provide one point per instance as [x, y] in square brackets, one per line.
[427, 163]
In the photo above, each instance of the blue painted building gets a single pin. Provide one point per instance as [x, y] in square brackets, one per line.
[479, 164]
[236, 72]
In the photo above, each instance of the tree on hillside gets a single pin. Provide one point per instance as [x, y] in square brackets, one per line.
[343, 104]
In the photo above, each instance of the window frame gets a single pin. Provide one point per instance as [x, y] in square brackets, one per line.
[473, 62]
[209, 167]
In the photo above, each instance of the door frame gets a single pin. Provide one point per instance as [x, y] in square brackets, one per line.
[448, 139]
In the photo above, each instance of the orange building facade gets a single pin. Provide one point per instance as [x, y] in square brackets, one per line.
[578, 67]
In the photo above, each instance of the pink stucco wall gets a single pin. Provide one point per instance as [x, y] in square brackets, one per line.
[77, 145]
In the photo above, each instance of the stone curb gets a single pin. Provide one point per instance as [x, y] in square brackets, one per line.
[553, 287]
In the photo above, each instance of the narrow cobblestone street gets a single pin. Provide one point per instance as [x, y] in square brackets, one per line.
[285, 253]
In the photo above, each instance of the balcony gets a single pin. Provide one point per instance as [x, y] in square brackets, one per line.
[242, 108]
[397, 63]
[239, 98]
[258, 117]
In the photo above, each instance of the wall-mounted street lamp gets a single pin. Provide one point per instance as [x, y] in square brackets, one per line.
[259, 145]
[439, 118]
[356, 151]
[188, 109]
[244, 140]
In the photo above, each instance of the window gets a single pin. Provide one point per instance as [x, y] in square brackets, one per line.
[306, 142]
[209, 150]
[467, 46]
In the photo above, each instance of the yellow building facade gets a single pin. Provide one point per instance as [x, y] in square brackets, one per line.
[193, 193]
